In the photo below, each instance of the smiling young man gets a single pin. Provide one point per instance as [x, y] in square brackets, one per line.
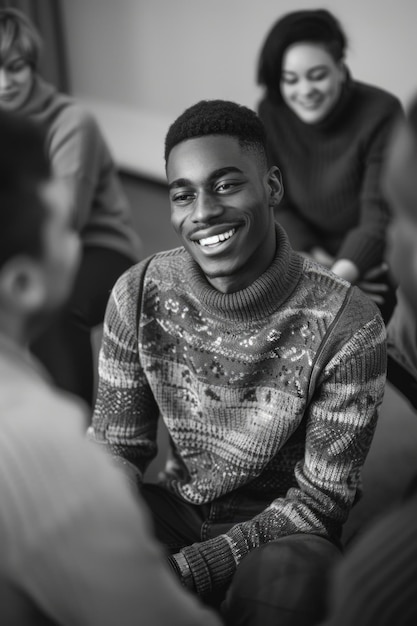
[267, 369]
[232, 247]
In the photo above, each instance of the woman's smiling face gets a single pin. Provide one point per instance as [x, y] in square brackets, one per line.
[311, 81]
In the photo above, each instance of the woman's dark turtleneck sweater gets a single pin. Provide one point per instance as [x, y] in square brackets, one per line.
[332, 173]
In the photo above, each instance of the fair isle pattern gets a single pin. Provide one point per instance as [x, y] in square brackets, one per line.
[272, 390]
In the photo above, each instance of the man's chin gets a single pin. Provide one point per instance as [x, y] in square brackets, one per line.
[212, 272]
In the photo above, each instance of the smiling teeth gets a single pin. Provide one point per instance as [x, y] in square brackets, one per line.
[211, 241]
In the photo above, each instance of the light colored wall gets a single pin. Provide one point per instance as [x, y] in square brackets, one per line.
[163, 55]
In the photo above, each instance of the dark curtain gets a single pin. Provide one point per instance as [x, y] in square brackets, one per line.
[47, 17]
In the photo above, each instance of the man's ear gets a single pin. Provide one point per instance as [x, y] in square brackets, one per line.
[275, 186]
[22, 284]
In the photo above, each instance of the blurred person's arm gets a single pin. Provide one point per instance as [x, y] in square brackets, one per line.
[373, 282]
[81, 157]
[75, 147]
[364, 244]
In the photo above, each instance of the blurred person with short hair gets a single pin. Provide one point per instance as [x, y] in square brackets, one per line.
[76, 546]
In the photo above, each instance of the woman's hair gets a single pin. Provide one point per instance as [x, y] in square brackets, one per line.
[219, 117]
[18, 34]
[318, 26]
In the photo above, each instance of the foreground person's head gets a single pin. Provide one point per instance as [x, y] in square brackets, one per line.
[39, 251]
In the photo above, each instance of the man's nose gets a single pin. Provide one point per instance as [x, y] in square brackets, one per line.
[206, 206]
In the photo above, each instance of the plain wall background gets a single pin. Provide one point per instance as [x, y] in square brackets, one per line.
[164, 55]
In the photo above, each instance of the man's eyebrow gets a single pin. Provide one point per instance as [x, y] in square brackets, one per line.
[231, 169]
[186, 182]
[180, 182]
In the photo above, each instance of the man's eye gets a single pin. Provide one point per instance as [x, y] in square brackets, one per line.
[226, 186]
[182, 198]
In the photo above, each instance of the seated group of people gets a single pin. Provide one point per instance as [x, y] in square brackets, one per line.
[261, 343]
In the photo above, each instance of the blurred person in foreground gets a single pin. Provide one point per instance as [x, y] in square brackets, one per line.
[267, 369]
[75, 545]
[99, 211]
[376, 583]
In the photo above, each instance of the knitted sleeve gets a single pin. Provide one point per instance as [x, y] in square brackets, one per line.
[82, 161]
[126, 414]
[76, 150]
[365, 244]
[341, 420]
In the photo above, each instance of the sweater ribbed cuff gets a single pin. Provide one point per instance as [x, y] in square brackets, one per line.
[212, 564]
[180, 565]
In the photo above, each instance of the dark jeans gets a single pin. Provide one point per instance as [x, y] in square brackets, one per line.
[282, 582]
[65, 347]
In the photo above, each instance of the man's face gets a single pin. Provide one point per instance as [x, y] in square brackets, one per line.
[222, 208]
[401, 189]
[61, 245]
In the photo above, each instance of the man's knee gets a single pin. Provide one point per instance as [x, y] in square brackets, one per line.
[282, 582]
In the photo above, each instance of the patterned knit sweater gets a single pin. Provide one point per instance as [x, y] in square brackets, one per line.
[271, 392]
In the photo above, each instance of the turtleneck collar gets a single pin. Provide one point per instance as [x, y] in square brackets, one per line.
[261, 298]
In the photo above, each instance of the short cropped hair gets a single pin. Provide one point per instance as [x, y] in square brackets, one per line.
[219, 117]
[316, 26]
[18, 34]
[24, 165]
